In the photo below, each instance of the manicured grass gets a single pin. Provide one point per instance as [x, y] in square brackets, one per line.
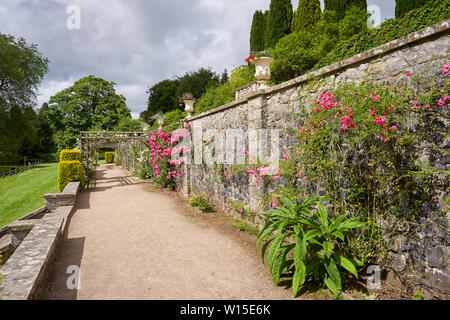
[23, 193]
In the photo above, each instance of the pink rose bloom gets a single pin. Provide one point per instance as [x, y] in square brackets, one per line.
[447, 98]
[408, 74]
[394, 128]
[441, 102]
[427, 107]
[344, 127]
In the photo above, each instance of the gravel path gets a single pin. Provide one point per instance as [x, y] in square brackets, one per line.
[132, 242]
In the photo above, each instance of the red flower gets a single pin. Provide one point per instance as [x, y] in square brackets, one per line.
[247, 60]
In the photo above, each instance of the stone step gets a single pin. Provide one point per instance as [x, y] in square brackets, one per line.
[5, 244]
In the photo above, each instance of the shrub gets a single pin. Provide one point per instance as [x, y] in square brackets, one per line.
[308, 243]
[216, 96]
[293, 54]
[69, 171]
[417, 19]
[70, 155]
[109, 157]
[202, 204]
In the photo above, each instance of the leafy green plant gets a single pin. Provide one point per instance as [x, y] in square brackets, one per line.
[202, 204]
[311, 244]
[418, 295]
[109, 157]
[245, 227]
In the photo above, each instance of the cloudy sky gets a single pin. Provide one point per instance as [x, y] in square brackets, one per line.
[136, 43]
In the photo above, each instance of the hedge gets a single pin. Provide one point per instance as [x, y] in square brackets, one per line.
[109, 157]
[69, 171]
[70, 155]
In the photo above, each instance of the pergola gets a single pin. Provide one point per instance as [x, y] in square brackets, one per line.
[91, 140]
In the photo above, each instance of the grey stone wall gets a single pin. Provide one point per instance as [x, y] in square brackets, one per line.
[421, 260]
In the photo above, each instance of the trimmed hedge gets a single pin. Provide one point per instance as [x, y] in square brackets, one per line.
[69, 171]
[70, 155]
[109, 157]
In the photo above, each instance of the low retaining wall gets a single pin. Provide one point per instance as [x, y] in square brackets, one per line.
[425, 51]
[31, 244]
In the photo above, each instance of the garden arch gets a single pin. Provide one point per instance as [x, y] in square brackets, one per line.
[89, 141]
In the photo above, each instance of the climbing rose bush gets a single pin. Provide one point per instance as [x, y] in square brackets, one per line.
[162, 145]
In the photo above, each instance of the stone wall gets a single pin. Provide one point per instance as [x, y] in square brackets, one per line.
[425, 51]
[30, 244]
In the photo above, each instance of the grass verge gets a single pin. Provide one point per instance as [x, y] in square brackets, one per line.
[23, 193]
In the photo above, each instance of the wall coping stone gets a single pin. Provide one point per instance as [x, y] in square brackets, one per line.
[431, 31]
[66, 198]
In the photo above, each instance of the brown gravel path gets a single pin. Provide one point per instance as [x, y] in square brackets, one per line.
[132, 242]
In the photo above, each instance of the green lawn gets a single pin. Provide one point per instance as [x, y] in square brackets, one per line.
[23, 193]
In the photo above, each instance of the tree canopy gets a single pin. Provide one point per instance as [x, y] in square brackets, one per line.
[22, 69]
[165, 95]
[90, 104]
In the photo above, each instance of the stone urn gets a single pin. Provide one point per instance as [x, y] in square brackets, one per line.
[160, 122]
[189, 107]
[262, 66]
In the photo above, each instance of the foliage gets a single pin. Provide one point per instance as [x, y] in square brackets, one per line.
[165, 95]
[202, 204]
[18, 134]
[310, 243]
[162, 98]
[359, 145]
[91, 103]
[342, 6]
[172, 120]
[418, 295]
[307, 15]
[69, 171]
[23, 193]
[245, 227]
[196, 82]
[432, 12]
[217, 96]
[299, 52]
[110, 156]
[404, 6]
[278, 22]
[22, 69]
[44, 133]
[257, 32]
[70, 155]
[293, 54]
[129, 125]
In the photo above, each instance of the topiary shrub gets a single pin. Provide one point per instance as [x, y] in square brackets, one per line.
[69, 171]
[70, 155]
[109, 157]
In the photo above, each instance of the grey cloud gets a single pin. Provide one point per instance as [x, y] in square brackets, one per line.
[135, 43]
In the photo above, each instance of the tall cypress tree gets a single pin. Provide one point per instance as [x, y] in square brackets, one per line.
[307, 15]
[257, 33]
[279, 21]
[341, 6]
